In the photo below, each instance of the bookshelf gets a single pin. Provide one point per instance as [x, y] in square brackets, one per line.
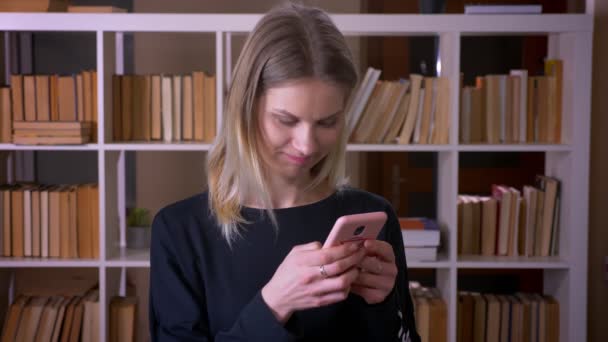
[570, 39]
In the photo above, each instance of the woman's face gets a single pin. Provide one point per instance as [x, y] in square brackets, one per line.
[300, 122]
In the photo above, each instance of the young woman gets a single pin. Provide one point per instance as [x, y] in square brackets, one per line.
[243, 261]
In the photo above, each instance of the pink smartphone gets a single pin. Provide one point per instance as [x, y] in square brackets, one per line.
[356, 227]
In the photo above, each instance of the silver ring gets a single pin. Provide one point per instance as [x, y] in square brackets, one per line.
[322, 271]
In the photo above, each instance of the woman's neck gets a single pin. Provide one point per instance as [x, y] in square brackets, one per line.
[290, 194]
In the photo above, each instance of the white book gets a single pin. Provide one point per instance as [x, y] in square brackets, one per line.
[355, 97]
[420, 253]
[420, 237]
[523, 101]
[167, 108]
[362, 101]
[44, 223]
[177, 108]
[27, 222]
[503, 9]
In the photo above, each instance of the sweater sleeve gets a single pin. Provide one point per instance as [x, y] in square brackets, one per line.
[178, 309]
[392, 319]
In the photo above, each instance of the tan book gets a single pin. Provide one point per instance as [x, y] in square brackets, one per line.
[35, 196]
[95, 9]
[441, 131]
[94, 200]
[61, 314]
[123, 312]
[116, 108]
[516, 108]
[423, 319]
[370, 108]
[34, 308]
[507, 107]
[488, 226]
[90, 324]
[431, 86]
[146, 114]
[80, 98]
[400, 116]
[198, 95]
[187, 109]
[67, 98]
[7, 239]
[87, 96]
[53, 132]
[44, 222]
[68, 320]
[479, 324]
[466, 317]
[27, 221]
[54, 223]
[43, 98]
[177, 107]
[50, 125]
[137, 128]
[17, 231]
[84, 228]
[126, 88]
[368, 125]
[547, 229]
[73, 222]
[555, 68]
[94, 88]
[493, 318]
[542, 119]
[391, 115]
[210, 116]
[552, 318]
[439, 319]
[478, 114]
[64, 219]
[33, 5]
[13, 318]
[551, 109]
[156, 109]
[405, 135]
[538, 236]
[6, 117]
[27, 140]
[47, 320]
[54, 94]
[468, 225]
[77, 319]
[29, 97]
[493, 108]
[17, 97]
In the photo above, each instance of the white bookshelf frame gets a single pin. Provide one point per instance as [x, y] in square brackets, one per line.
[570, 38]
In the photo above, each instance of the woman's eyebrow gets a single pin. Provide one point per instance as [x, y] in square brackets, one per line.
[292, 116]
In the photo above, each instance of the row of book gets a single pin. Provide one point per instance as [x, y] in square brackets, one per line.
[169, 108]
[514, 108]
[430, 312]
[53, 318]
[406, 111]
[56, 221]
[421, 238]
[63, 98]
[509, 223]
[522, 317]
[6, 116]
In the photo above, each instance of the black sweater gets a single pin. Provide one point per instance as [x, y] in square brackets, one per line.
[201, 290]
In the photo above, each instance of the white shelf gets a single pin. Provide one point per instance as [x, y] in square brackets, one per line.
[129, 258]
[13, 147]
[156, 146]
[514, 148]
[47, 262]
[350, 24]
[479, 261]
[398, 148]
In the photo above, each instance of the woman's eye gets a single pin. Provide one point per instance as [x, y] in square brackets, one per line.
[286, 122]
[328, 123]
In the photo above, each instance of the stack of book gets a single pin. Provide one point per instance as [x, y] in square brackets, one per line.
[507, 223]
[49, 221]
[518, 317]
[169, 108]
[514, 108]
[430, 312]
[51, 132]
[405, 111]
[420, 238]
[53, 318]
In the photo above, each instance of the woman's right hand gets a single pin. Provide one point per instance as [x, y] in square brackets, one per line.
[299, 282]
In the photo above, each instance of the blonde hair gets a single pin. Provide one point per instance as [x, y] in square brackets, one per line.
[290, 42]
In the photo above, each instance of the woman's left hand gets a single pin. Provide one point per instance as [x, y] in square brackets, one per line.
[378, 272]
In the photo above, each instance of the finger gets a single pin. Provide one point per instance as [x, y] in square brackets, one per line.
[371, 296]
[380, 248]
[326, 256]
[326, 299]
[374, 281]
[342, 265]
[377, 266]
[339, 283]
[315, 245]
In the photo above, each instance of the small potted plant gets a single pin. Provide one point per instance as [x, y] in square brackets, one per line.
[138, 228]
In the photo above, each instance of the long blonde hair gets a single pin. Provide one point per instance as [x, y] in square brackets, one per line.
[289, 42]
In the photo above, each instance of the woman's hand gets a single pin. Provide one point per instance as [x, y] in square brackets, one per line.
[312, 277]
[378, 272]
